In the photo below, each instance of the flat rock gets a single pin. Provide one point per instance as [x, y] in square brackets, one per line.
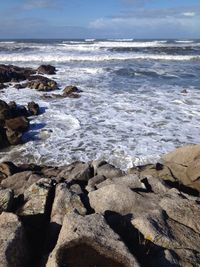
[13, 248]
[89, 241]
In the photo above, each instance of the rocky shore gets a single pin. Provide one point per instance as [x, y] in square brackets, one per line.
[93, 214]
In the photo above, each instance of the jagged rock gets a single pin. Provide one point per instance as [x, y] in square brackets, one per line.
[107, 170]
[19, 182]
[6, 199]
[131, 181]
[75, 188]
[121, 199]
[3, 138]
[33, 108]
[13, 137]
[65, 202]
[70, 90]
[89, 241]
[18, 124]
[76, 171]
[182, 210]
[184, 165]
[8, 168]
[12, 73]
[94, 181]
[41, 83]
[46, 69]
[14, 247]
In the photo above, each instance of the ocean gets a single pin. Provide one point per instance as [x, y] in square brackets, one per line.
[140, 99]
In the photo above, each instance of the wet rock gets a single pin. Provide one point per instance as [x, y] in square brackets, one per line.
[46, 69]
[20, 85]
[41, 83]
[184, 165]
[19, 182]
[89, 241]
[17, 111]
[18, 124]
[14, 247]
[8, 168]
[94, 181]
[76, 171]
[2, 86]
[33, 108]
[3, 138]
[71, 91]
[13, 137]
[12, 73]
[6, 199]
[4, 110]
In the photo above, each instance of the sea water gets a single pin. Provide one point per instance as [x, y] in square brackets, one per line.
[140, 99]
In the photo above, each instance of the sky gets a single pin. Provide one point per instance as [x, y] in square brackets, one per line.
[99, 19]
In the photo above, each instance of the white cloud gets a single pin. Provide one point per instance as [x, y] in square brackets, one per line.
[189, 14]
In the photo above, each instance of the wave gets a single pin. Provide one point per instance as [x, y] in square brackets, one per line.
[184, 42]
[105, 57]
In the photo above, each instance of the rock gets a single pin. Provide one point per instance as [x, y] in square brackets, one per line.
[41, 83]
[20, 85]
[76, 171]
[6, 199]
[2, 86]
[3, 138]
[109, 171]
[12, 73]
[184, 165]
[121, 199]
[13, 137]
[89, 241]
[18, 124]
[19, 182]
[75, 188]
[4, 110]
[182, 210]
[7, 168]
[17, 111]
[71, 91]
[94, 181]
[33, 108]
[14, 247]
[46, 69]
[65, 202]
[37, 200]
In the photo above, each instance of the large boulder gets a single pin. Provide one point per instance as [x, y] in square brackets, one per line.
[8, 168]
[13, 137]
[19, 182]
[184, 164]
[18, 124]
[10, 73]
[46, 69]
[14, 247]
[41, 83]
[89, 241]
[71, 91]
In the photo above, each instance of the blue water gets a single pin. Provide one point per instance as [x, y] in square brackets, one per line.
[132, 108]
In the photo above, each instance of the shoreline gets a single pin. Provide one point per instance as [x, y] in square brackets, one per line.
[87, 214]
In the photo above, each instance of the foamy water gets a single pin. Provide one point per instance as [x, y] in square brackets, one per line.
[132, 108]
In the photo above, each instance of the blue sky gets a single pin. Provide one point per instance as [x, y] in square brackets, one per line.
[100, 19]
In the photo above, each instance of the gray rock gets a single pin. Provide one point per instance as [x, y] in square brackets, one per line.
[6, 199]
[20, 181]
[14, 247]
[89, 241]
[109, 171]
[94, 181]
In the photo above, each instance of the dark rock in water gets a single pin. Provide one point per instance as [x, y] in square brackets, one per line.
[20, 86]
[33, 108]
[13, 137]
[2, 86]
[71, 89]
[41, 83]
[19, 124]
[4, 110]
[10, 73]
[184, 91]
[46, 69]
[3, 138]
[17, 111]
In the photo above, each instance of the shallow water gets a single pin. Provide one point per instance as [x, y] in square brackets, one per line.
[131, 109]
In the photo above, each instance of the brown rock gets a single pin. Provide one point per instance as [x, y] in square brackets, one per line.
[6, 199]
[70, 90]
[89, 241]
[18, 124]
[13, 137]
[33, 108]
[14, 247]
[8, 168]
[46, 69]
[41, 83]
